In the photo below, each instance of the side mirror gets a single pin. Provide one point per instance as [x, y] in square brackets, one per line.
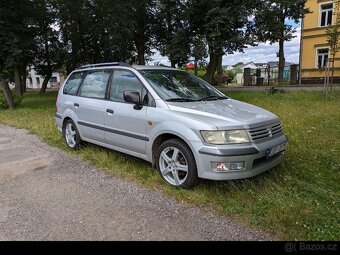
[133, 97]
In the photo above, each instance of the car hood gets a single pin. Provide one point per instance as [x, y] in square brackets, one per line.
[225, 114]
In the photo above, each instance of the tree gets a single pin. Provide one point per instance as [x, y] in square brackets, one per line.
[143, 16]
[96, 31]
[333, 39]
[73, 25]
[7, 91]
[173, 30]
[110, 31]
[271, 17]
[16, 39]
[198, 50]
[226, 27]
[49, 51]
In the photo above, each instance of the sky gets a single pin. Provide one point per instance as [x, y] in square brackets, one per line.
[262, 53]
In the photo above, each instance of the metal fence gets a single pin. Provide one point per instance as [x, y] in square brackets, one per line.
[268, 76]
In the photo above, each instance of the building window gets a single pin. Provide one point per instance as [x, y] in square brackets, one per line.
[322, 57]
[326, 15]
[37, 80]
[53, 79]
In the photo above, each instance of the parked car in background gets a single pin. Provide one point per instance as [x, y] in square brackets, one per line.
[183, 126]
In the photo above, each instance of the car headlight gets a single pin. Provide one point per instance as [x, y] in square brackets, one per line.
[225, 137]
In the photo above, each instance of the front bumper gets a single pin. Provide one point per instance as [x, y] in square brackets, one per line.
[254, 156]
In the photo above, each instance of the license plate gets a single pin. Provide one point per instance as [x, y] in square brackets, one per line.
[277, 149]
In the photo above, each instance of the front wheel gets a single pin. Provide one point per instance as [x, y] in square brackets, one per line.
[176, 164]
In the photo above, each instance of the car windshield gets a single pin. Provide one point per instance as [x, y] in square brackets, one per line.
[179, 86]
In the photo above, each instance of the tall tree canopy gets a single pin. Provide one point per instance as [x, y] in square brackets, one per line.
[97, 31]
[226, 26]
[51, 34]
[173, 31]
[16, 39]
[49, 51]
[143, 17]
[271, 24]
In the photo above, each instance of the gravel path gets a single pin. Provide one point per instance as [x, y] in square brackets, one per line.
[50, 195]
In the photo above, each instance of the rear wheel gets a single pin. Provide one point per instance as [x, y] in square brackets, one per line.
[176, 164]
[71, 135]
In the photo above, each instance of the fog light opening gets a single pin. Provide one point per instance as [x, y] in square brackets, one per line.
[228, 166]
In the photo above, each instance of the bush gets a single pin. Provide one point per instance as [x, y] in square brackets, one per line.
[231, 75]
[274, 90]
[3, 102]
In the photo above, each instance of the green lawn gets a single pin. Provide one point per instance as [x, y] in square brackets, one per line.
[300, 199]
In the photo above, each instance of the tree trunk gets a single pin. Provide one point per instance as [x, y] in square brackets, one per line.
[8, 94]
[23, 82]
[44, 85]
[140, 37]
[219, 72]
[282, 61]
[49, 69]
[17, 81]
[23, 77]
[140, 43]
[141, 55]
[212, 67]
[195, 68]
[332, 74]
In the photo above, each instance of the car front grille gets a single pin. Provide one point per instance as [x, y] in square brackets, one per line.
[264, 132]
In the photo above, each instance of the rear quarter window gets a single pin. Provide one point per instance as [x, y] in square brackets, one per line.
[72, 84]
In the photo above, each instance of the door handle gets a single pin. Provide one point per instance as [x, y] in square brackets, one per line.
[76, 104]
[110, 111]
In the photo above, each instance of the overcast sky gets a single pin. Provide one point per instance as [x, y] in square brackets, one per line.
[262, 53]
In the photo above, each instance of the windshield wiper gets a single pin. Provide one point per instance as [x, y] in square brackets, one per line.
[210, 98]
[180, 100]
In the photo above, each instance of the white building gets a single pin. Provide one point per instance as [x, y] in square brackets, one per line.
[34, 81]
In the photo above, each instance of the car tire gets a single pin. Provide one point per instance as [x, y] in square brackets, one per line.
[176, 164]
[71, 135]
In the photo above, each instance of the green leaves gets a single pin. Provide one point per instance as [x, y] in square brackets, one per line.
[333, 32]
[271, 17]
[16, 33]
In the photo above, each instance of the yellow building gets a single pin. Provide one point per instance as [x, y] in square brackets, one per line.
[314, 46]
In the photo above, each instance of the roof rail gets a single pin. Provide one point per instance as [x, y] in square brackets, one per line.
[103, 65]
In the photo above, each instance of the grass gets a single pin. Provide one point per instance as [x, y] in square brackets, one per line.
[298, 200]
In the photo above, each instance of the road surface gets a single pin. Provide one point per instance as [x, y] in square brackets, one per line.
[47, 194]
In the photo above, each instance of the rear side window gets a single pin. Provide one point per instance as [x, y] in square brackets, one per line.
[94, 84]
[72, 84]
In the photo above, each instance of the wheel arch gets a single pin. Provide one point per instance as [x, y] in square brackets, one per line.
[161, 138]
[64, 123]
[70, 115]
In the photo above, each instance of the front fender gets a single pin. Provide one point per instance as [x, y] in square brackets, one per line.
[189, 136]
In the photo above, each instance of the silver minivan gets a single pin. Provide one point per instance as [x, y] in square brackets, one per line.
[185, 127]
